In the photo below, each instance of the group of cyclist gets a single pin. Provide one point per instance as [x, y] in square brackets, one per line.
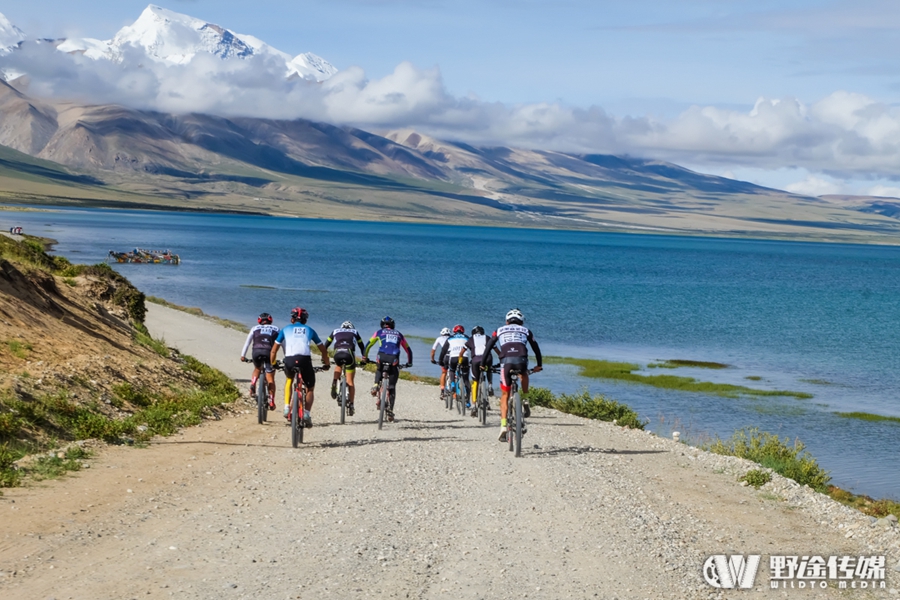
[457, 352]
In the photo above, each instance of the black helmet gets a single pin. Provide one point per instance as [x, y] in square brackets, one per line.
[299, 314]
[264, 319]
[478, 330]
[387, 323]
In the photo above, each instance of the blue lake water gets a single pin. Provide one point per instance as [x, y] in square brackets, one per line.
[793, 314]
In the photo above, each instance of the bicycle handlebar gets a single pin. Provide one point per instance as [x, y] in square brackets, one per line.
[496, 369]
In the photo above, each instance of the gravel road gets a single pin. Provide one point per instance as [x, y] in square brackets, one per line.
[432, 506]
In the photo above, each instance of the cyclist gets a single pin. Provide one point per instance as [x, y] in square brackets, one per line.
[261, 337]
[475, 346]
[438, 344]
[297, 338]
[511, 339]
[389, 352]
[457, 354]
[345, 341]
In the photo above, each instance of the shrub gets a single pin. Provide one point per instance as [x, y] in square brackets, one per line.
[791, 461]
[583, 404]
[756, 477]
[538, 396]
[137, 397]
[9, 475]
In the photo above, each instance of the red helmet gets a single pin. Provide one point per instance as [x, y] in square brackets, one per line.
[264, 319]
[459, 329]
[300, 314]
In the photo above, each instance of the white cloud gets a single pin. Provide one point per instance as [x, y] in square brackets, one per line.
[885, 191]
[844, 135]
[815, 186]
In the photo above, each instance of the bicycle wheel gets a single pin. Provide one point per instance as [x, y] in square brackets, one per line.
[482, 403]
[519, 422]
[301, 408]
[510, 418]
[295, 419]
[382, 405]
[262, 403]
[343, 398]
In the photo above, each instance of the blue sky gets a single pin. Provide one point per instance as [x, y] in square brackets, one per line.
[690, 65]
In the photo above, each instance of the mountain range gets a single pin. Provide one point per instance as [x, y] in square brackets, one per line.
[63, 150]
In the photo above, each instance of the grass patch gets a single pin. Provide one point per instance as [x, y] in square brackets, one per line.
[817, 381]
[864, 416]
[583, 404]
[790, 460]
[756, 477]
[865, 504]
[143, 337]
[19, 349]
[620, 371]
[57, 464]
[677, 363]
[198, 312]
[753, 378]
[258, 287]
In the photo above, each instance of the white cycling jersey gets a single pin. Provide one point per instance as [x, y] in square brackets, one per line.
[439, 342]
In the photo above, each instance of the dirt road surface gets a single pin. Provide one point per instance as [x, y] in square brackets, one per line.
[432, 506]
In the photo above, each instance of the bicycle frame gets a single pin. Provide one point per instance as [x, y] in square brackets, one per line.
[515, 421]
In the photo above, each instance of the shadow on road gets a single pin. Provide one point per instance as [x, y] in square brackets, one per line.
[575, 450]
[369, 442]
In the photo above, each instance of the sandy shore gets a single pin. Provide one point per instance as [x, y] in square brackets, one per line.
[432, 506]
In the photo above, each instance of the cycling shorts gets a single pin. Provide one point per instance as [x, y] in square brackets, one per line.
[392, 359]
[513, 364]
[261, 361]
[462, 362]
[445, 365]
[476, 364]
[345, 358]
[303, 365]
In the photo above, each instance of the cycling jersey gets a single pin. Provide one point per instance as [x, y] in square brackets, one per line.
[511, 341]
[344, 340]
[296, 338]
[439, 342]
[476, 345]
[261, 338]
[453, 346]
[391, 343]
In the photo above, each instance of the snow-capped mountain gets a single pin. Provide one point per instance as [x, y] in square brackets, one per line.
[10, 35]
[172, 38]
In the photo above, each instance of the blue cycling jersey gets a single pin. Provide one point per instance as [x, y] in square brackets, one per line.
[296, 337]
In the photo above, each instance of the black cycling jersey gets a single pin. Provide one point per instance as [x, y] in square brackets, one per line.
[511, 340]
[344, 339]
[261, 337]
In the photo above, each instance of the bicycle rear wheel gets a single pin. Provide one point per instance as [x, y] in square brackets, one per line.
[343, 398]
[519, 422]
[262, 403]
[482, 403]
[384, 399]
[295, 419]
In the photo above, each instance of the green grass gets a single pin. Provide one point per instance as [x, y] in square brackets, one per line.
[258, 287]
[198, 312]
[817, 381]
[864, 416]
[753, 378]
[790, 460]
[756, 477]
[143, 337]
[621, 371]
[19, 349]
[865, 504]
[583, 404]
[677, 363]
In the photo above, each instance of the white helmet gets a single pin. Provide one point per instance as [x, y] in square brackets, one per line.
[515, 315]
[446, 331]
[346, 325]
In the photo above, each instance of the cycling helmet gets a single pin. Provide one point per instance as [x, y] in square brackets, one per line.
[300, 314]
[264, 319]
[346, 325]
[459, 329]
[446, 331]
[478, 330]
[387, 323]
[515, 316]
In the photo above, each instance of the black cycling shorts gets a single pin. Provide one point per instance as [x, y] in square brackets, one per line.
[345, 358]
[261, 361]
[302, 364]
[512, 364]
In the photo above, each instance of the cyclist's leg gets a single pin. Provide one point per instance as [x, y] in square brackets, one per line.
[351, 386]
[335, 379]
[476, 373]
[464, 373]
[289, 373]
[393, 376]
[309, 378]
[524, 379]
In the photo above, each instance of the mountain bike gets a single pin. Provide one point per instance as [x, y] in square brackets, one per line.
[344, 393]
[298, 406]
[384, 393]
[515, 419]
[262, 388]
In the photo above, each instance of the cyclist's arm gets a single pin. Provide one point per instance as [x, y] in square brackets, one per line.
[362, 347]
[247, 344]
[490, 345]
[406, 347]
[536, 348]
[329, 340]
[445, 349]
[369, 346]
[274, 354]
